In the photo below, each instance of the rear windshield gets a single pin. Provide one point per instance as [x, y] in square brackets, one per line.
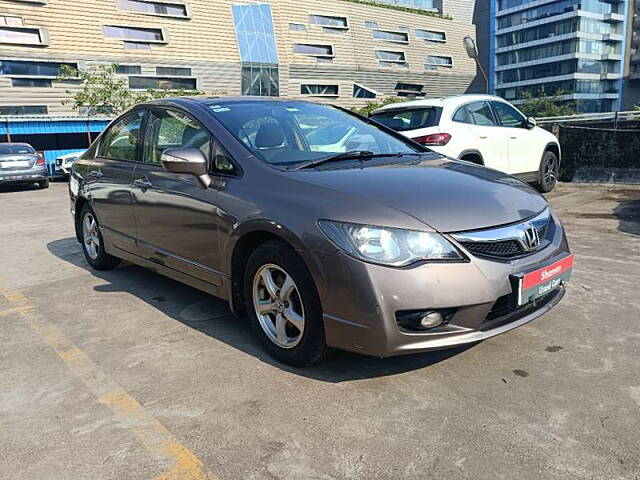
[15, 149]
[409, 119]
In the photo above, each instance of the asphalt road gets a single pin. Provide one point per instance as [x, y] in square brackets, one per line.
[127, 374]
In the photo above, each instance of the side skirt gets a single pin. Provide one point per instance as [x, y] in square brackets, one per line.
[528, 177]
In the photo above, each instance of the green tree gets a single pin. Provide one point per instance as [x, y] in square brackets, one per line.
[371, 106]
[543, 105]
[106, 93]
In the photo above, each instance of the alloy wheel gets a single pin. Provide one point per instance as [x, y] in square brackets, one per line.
[278, 306]
[550, 170]
[91, 236]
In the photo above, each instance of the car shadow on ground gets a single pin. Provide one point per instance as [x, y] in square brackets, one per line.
[18, 187]
[212, 317]
[628, 214]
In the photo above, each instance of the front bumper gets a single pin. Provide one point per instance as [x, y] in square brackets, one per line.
[360, 300]
[35, 174]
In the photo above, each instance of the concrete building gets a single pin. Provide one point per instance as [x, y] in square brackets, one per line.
[342, 51]
[631, 85]
[572, 46]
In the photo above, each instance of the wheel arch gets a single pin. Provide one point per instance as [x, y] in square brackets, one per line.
[250, 238]
[472, 153]
[554, 148]
[80, 203]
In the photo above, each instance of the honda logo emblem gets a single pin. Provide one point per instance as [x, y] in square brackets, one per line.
[530, 238]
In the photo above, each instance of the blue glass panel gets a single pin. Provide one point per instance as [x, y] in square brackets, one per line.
[255, 33]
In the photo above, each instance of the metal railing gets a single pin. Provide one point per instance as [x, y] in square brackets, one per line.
[591, 117]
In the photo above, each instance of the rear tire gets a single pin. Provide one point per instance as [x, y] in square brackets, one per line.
[43, 184]
[283, 305]
[92, 242]
[548, 174]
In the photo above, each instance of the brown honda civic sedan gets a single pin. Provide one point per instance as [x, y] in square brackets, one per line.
[328, 229]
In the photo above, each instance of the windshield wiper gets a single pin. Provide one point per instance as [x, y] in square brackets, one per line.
[361, 155]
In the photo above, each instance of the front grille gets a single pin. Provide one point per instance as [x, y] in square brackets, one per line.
[503, 249]
[506, 249]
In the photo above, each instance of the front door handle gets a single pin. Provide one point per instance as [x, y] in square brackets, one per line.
[95, 174]
[484, 137]
[142, 183]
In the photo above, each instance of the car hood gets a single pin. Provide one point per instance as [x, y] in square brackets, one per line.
[449, 196]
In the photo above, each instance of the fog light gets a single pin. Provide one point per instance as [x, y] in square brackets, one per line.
[431, 320]
[423, 320]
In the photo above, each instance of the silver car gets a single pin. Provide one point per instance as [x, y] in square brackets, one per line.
[20, 163]
[384, 248]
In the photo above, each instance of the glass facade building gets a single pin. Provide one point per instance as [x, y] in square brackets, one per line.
[571, 48]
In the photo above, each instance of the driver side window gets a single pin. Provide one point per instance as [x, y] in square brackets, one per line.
[508, 116]
[171, 129]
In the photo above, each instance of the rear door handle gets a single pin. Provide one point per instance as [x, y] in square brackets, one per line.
[513, 138]
[484, 137]
[142, 183]
[95, 174]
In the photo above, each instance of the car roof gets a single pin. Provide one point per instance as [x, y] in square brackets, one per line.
[450, 102]
[16, 144]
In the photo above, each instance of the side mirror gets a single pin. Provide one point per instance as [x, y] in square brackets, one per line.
[187, 160]
[530, 123]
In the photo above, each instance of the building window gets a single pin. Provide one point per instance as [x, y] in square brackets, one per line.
[409, 90]
[326, 21]
[173, 71]
[258, 51]
[23, 110]
[389, 36]
[439, 61]
[11, 21]
[36, 69]
[370, 24]
[255, 34]
[431, 35]
[297, 27]
[129, 70]
[361, 92]
[160, 83]
[136, 46]
[387, 58]
[31, 82]
[155, 35]
[260, 80]
[319, 90]
[313, 50]
[24, 35]
[155, 8]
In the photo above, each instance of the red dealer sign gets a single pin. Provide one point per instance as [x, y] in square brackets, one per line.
[540, 282]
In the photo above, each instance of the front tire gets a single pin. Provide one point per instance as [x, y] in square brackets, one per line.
[92, 242]
[548, 174]
[283, 305]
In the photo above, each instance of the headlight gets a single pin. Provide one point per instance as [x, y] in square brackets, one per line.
[388, 246]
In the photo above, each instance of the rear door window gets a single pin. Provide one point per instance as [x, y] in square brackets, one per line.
[123, 139]
[409, 119]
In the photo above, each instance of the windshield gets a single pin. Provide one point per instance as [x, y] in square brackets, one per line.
[409, 119]
[8, 149]
[286, 133]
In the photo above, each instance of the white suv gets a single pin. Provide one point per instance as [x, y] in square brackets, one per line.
[482, 129]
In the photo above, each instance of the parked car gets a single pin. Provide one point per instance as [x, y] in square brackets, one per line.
[481, 129]
[65, 162]
[20, 163]
[384, 251]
